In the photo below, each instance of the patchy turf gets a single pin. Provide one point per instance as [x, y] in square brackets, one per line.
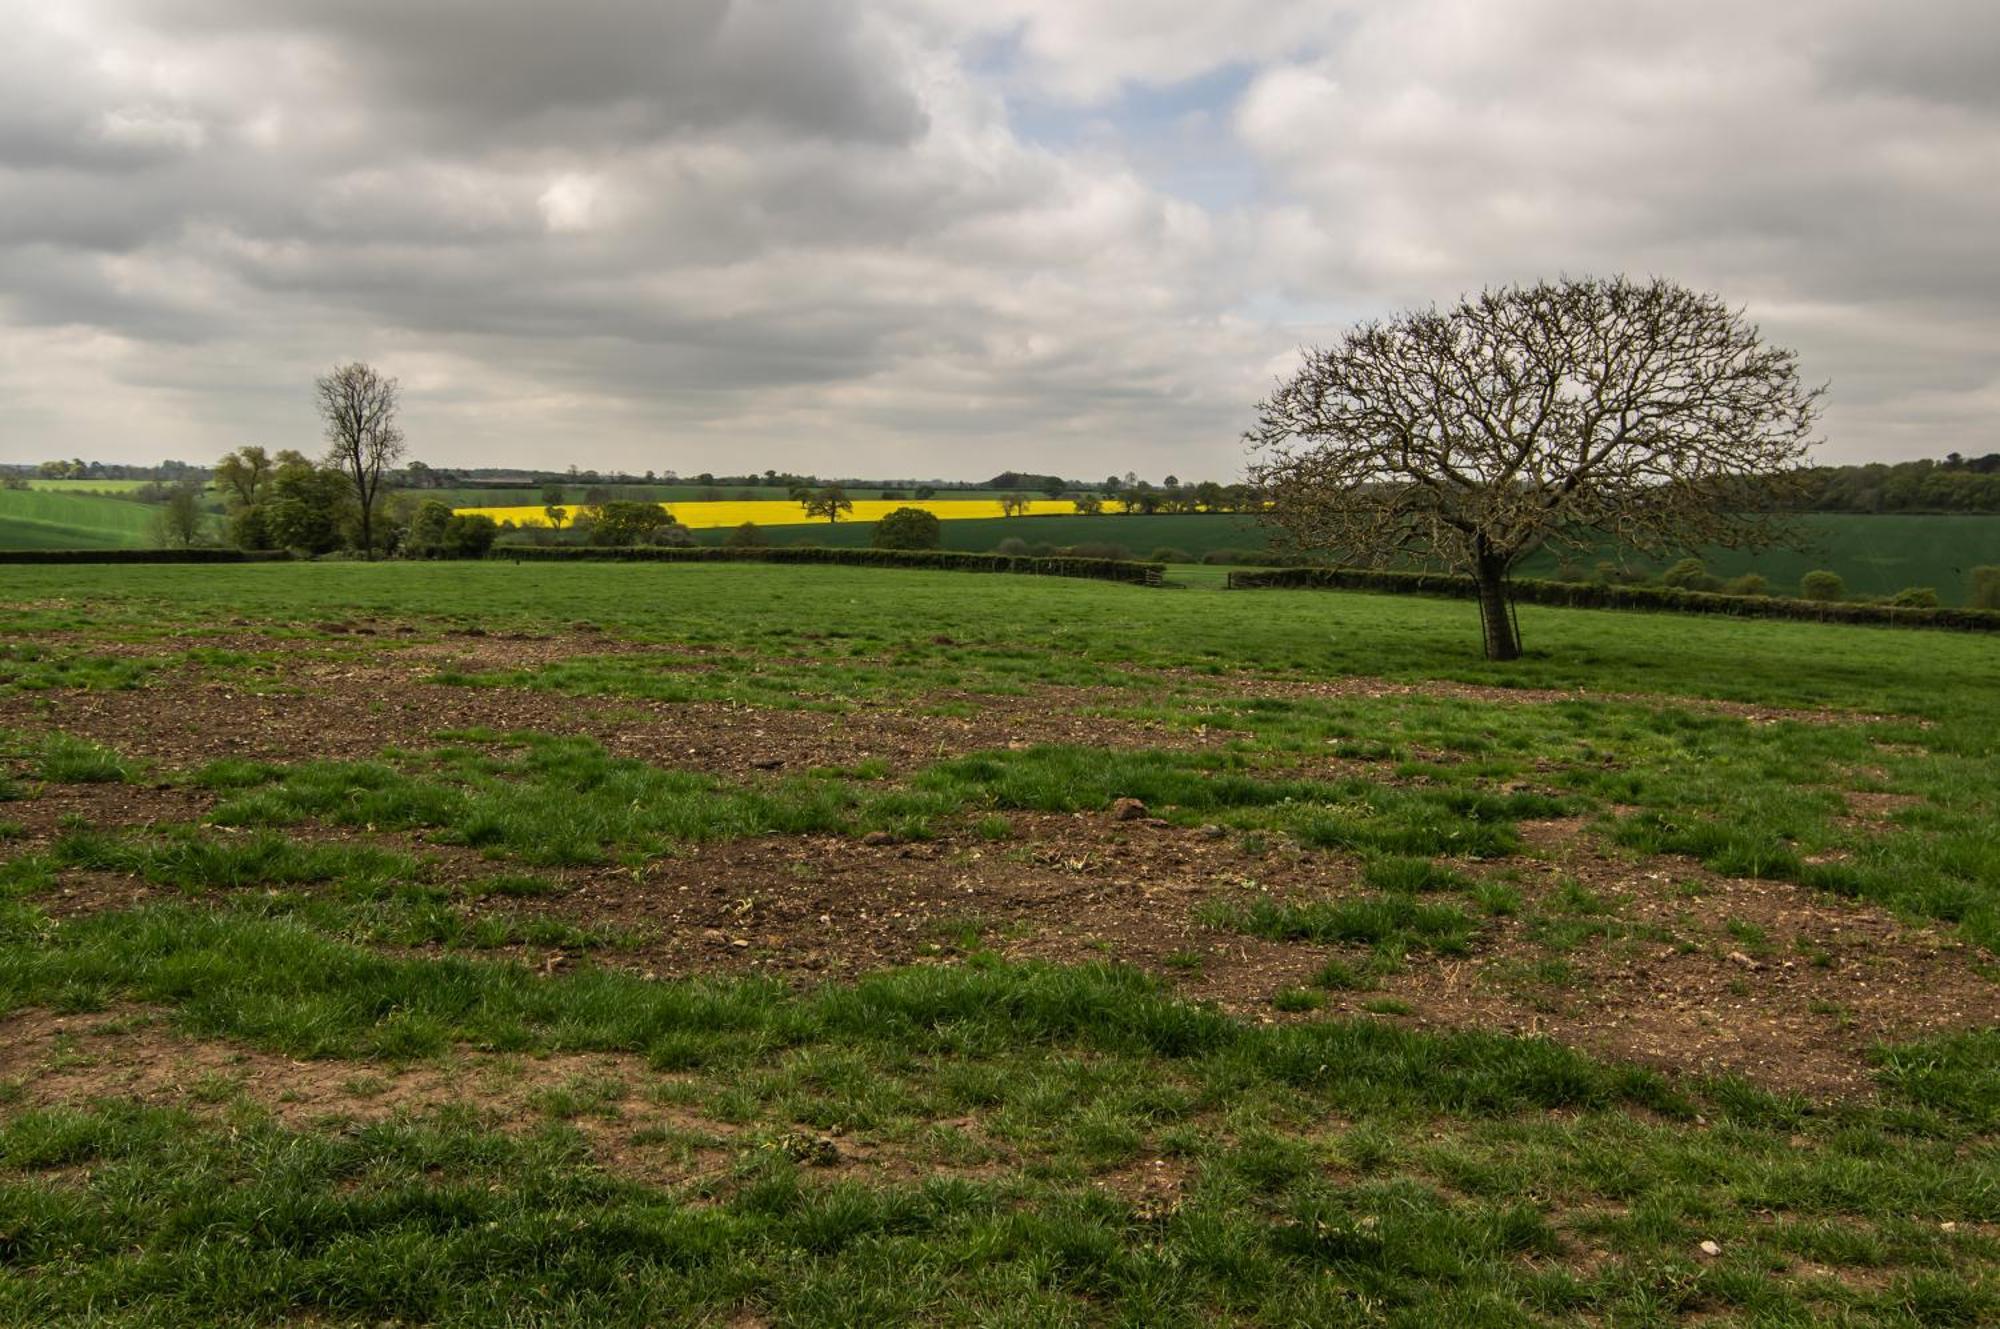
[622, 960]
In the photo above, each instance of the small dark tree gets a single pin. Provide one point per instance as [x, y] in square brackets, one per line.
[358, 407]
[831, 502]
[747, 536]
[180, 519]
[1089, 505]
[427, 529]
[626, 522]
[908, 528]
[1528, 416]
[1014, 505]
[470, 534]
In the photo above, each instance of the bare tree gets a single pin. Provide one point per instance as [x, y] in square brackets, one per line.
[358, 406]
[1558, 414]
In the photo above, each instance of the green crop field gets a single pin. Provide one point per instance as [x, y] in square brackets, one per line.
[1876, 555]
[582, 944]
[38, 519]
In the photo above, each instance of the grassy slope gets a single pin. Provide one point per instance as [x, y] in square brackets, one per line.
[38, 519]
[1877, 555]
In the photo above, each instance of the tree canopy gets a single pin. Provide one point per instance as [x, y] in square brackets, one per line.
[1530, 416]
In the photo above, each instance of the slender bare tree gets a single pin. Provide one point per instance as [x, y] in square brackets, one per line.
[1558, 414]
[358, 406]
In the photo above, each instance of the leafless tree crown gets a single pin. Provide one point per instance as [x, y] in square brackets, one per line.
[358, 406]
[1555, 414]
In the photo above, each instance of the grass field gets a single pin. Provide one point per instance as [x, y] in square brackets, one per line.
[1876, 555]
[747, 945]
[44, 519]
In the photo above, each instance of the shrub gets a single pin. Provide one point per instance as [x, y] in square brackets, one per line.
[1231, 556]
[672, 535]
[1822, 585]
[1683, 575]
[1012, 545]
[469, 534]
[747, 536]
[1915, 597]
[1169, 554]
[1750, 583]
[1985, 588]
[1099, 549]
[908, 528]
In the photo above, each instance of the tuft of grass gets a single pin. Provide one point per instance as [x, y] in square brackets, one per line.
[1393, 920]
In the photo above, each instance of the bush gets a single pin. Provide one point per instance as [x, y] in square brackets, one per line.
[747, 536]
[1012, 546]
[1099, 549]
[1683, 575]
[1823, 586]
[908, 528]
[1169, 554]
[1750, 583]
[1985, 588]
[469, 534]
[1232, 556]
[1915, 597]
[672, 535]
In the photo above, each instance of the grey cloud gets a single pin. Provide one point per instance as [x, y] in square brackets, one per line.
[806, 234]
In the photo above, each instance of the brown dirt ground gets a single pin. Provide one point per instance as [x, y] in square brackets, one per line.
[1671, 984]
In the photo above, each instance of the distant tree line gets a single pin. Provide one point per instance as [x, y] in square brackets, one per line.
[1955, 484]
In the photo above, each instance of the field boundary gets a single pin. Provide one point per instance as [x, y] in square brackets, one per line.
[1099, 569]
[1590, 595]
[144, 555]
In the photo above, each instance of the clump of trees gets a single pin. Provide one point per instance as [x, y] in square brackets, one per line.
[908, 528]
[1524, 417]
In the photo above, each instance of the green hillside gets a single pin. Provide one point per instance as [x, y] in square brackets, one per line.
[1876, 555]
[41, 519]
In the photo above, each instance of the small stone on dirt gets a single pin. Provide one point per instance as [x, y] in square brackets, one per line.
[766, 763]
[878, 838]
[1127, 809]
[1710, 1249]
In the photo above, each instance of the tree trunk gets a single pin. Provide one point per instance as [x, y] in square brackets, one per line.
[1496, 620]
[367, 533]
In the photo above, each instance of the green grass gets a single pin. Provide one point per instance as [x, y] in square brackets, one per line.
[1035, 632]
[40, 519]
[1308, 1196]
[973, 1141]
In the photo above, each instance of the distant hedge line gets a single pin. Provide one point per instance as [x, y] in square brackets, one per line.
[1101, 569]
[1593, 595]
[143, 556]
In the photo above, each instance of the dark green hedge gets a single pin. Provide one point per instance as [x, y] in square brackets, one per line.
[142, 556]
[1594, 595]
[1102, 569]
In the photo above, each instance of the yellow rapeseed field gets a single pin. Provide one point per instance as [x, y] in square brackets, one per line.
[784, 512]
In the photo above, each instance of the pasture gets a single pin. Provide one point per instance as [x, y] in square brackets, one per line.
[751, 945]
[42, 518]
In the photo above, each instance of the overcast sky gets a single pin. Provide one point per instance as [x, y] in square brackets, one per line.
[933, 238]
